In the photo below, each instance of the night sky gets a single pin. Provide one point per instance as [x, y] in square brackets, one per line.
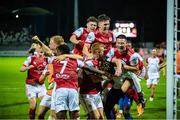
[150, 16]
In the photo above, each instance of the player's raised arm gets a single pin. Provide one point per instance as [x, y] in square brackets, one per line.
[45, 48]
[90, 39]
[86, 50]
[74, 37]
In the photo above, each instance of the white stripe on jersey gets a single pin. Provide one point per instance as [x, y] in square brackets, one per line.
[27, 61]
[90, 38]
[79, 32]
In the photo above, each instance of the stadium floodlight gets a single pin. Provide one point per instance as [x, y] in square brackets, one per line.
[17, 16]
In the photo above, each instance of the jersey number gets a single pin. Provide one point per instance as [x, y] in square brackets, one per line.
[64, 66]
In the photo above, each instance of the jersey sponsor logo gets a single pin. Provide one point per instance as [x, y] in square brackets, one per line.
[44, 63]
[62, 76]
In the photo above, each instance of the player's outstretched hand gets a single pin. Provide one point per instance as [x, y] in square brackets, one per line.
[36, 39]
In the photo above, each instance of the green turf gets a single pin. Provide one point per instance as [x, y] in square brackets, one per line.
[14, 104]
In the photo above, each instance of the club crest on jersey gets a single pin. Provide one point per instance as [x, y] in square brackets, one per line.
[110, 39]
[44, 63]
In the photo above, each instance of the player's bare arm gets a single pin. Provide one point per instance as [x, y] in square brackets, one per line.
[43, 77]
[72, 56]
[25, 68]
[74, 40]
[85, 50]
[118, 65]
[162, 65]
[45, 48]
[131, 68]
[92, 69]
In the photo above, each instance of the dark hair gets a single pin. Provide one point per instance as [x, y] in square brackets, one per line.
[103, 17]
[31, 51]
[121, 37]
[92, 19]
[64, 49]
[136, 49]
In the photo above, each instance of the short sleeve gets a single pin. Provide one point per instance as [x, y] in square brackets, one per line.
[80, 63]
[134, 59]
[78, 32]
[27, 61]
[89, 63]
[90, 38]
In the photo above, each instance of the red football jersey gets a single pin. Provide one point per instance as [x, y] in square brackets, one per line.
[105, 38]
[126, 57]
[39, 64]
[65, 73]
[81, 35]
[88, 86]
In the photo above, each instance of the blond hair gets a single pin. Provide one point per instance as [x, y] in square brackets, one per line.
[57, 39]
[96, 47]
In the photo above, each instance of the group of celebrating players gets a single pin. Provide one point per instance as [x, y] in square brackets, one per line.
[100, 72]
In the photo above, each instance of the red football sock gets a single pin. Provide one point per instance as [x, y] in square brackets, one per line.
[133, 94]
[32, 113]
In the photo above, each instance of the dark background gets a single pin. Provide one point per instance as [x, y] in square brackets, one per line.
[150, 16]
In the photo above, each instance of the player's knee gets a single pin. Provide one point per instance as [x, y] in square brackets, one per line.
[101, 114]
[75, 114]
[148, 86]
[61, 115]
[32, 104]
[94, 114]
[154, 86]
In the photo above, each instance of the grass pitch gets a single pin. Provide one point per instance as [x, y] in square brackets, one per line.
[14, 104]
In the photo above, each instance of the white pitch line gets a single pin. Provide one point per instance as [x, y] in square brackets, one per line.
[10, 88]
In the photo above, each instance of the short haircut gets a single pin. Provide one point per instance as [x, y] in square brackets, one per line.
[58, 40]
[92, 19]
[103, 17]
[64, 49]
[121, 36]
